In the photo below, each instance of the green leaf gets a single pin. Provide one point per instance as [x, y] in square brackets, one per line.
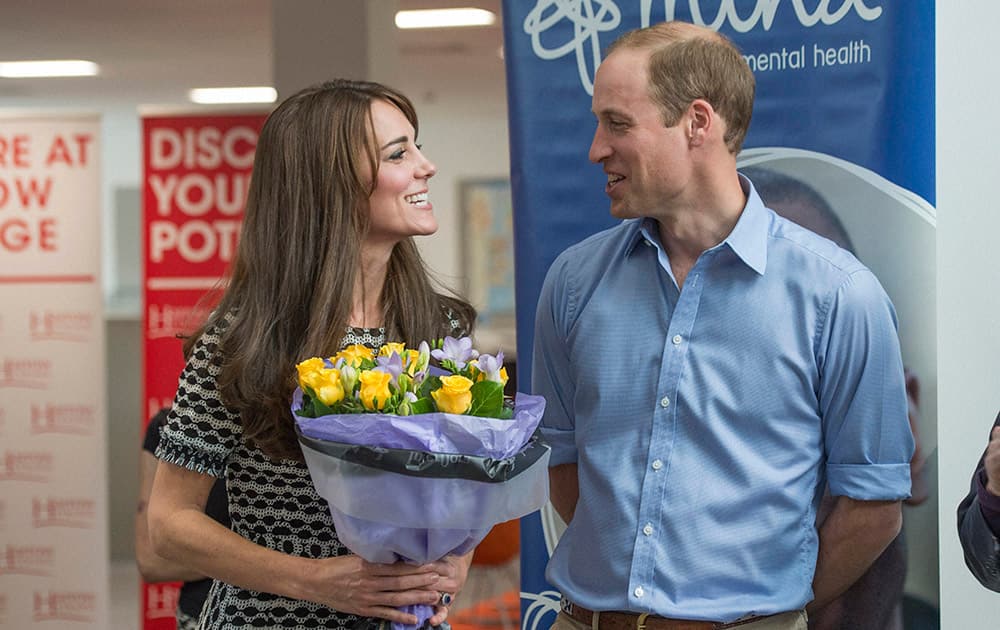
[423, 405]
[430, 384]
[308, 409]
[487, 399]
[321, 408]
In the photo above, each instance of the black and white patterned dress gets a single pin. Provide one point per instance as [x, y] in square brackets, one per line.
[273, 504]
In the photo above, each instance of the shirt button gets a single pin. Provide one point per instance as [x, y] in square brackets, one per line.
[677, 340]
[648, 529]
[639, 592]
[665, 402]
[657, 464]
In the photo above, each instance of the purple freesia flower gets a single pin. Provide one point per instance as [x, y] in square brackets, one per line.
[490, 366]
[392, 364]
[457, 351]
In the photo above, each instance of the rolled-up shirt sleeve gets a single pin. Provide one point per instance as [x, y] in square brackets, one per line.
[867, 437]
[551, 375]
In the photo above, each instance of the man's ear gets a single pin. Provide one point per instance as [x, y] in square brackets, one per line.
[700, 120]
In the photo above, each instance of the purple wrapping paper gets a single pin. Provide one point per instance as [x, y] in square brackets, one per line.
[436, 432]
[385, 516]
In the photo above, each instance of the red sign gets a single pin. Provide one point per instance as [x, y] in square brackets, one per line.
[197, 173]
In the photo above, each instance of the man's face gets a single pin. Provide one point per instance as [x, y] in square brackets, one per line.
[647, 163]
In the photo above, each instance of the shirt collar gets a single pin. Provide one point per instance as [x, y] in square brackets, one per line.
[641, 231]
[748, 240]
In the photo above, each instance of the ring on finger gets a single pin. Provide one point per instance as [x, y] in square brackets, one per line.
[446, 599]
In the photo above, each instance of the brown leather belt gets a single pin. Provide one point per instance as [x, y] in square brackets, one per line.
[632, 621]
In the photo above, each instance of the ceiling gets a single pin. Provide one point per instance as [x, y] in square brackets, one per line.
[154, 51]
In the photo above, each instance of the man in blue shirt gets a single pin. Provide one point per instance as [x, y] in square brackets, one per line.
[709, 367]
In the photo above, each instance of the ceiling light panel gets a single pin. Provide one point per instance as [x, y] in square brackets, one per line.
[444, 18]
[47, 68]
[233, 95]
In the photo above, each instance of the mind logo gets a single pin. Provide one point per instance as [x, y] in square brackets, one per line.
[559, 28]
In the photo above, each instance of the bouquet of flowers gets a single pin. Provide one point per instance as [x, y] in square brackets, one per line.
[418, 462]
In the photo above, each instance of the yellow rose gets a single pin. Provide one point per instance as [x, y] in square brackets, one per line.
[308, 368]
[411, 359]
[328, 387]
[454, 395]
[374, 389]
[390, 347]
[355, 353]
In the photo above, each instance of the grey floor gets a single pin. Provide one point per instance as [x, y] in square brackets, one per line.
[124, 596]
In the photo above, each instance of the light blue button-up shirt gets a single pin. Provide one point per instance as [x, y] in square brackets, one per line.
[706, 421]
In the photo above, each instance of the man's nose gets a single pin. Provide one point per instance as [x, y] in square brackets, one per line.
[599, 148]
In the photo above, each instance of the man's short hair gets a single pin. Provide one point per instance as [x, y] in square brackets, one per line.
[689, 62]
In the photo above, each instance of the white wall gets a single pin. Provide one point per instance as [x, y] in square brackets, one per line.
[968, 281]
[463, 129]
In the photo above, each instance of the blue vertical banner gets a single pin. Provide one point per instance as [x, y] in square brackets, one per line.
[845, 105]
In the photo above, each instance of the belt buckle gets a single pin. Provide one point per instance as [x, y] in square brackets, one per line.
[640, 623]
[565, 605]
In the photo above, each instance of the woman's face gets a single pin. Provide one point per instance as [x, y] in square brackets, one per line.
[399, 206]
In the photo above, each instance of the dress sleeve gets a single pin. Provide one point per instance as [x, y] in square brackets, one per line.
[201, 431]
[979, 542]
[862, 395]
[551, 376]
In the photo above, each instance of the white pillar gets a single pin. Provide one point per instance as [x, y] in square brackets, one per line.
[317, 40]
[968, 281]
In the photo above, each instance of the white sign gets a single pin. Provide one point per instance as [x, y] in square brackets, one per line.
[53, 480]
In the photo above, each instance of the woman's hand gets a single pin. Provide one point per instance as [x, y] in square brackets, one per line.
[353, 585]
[453, 570]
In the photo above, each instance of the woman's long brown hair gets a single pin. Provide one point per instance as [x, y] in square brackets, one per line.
[291, 281]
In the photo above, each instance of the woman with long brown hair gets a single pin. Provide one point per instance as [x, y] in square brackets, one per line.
[326, 259]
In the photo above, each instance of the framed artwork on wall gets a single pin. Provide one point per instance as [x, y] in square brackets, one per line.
[487, 249]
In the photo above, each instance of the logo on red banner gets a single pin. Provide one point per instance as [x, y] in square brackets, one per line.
[25, 373]
[65, 419]
[27, 560]
[60, 326]
[65, 606]
[63, 512]
[161, 600]
[170, 320]
[26, 466]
